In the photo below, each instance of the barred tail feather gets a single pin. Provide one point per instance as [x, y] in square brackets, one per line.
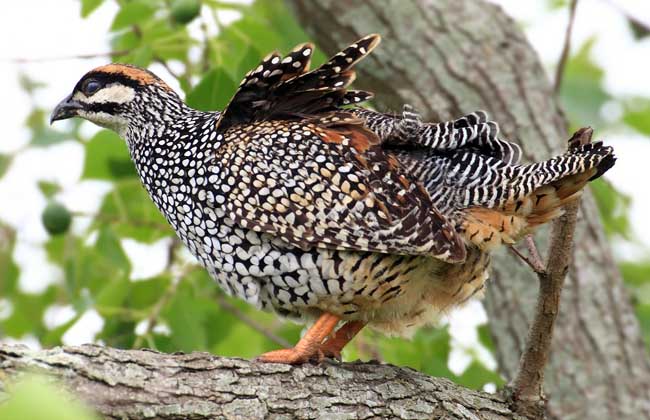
[473, 131]
[536, 195]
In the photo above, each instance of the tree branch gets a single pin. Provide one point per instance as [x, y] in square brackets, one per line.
[143, 384]
[559, 71]
[110, 54]
[533, 258]
[527, 385]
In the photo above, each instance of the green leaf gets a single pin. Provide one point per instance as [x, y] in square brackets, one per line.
[131, 213]
[54, 402]
[42, 134]
[476, 376]
[146, 293]
[132, 13]
[213, 91]
[118, 332]
[89, 6]
[581, 92]
[142, 56]
[57, 247]
[5, 161]
[249, 61]
[643, 314]
[637, 115]
[108, 246]
[557, 4]
[28, 84]
[8, 269]
[89, 269]
[107, 157]
[124, 41]
[54, 337]
[485, 338]
[614, 208]
[48, 188]
[427, 352]
[231, 346]
[635, 273]
[186, 317]
[283, 23]
[113, 294]
[27, 314]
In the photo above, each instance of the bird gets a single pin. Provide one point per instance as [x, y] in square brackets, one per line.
[300, 201]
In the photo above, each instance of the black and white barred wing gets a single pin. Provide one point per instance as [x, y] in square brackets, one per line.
[325, 182]
[283, 86]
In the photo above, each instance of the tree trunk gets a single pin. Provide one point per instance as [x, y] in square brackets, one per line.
[143, 384]
[448, 58]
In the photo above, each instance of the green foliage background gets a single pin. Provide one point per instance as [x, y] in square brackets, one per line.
[194, 312]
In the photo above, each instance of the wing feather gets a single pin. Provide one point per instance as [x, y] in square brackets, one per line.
[325, 182]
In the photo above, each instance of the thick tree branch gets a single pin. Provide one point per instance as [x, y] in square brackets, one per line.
[139, 384]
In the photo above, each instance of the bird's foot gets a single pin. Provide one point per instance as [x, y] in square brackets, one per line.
[318, 343]
[331, 350]
[333, 346]
[292, 356]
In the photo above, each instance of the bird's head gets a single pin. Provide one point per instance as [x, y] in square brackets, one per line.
[115, 95]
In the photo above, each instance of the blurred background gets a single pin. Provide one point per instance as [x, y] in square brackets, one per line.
[85, 256]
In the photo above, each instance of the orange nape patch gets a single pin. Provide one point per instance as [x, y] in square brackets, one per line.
[142, 76]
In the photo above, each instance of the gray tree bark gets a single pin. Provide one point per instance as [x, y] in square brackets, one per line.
[143, 384]
[448, 58]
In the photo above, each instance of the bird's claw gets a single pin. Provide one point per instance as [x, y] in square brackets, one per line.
[292, 356]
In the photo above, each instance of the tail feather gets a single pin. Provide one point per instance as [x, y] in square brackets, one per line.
[472, 132]
[494, 202]
[551, 184]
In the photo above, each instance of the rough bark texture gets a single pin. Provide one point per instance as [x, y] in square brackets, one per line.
[448, 58]
[139, 384]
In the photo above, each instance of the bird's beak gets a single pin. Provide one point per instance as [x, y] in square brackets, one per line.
[67, 108]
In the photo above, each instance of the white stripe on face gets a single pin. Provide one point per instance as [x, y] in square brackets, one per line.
[114, 93]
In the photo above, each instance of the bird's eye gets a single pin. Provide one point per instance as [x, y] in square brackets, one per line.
[91, 86]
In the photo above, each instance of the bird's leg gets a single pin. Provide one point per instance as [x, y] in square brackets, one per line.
[332, 346]
[309, 345]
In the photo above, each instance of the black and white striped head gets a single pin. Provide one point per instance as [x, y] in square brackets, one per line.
[115, 96]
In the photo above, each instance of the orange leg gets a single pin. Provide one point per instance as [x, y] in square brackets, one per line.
[308, 347]
[332, 346]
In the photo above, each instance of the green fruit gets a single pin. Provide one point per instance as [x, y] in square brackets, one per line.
[184, 11]
[56, 218]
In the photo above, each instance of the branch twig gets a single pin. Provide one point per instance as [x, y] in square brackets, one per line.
[527, 386]
[533, 259]
[559, 71]
[109, 54]
[534, 253]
